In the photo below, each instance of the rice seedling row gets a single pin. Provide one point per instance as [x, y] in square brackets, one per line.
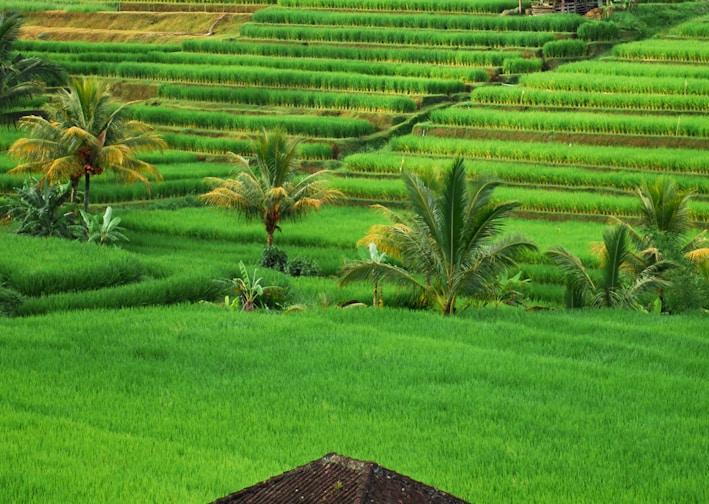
[439, 56]
[291, 98]
[68, 47]
[597, 31]
[323, 127]
[448, 6]
[660, 159]
[583, 122]
[196, 2]
[392, 164]
[542, 198]
[629, 84]
[557, 23]
[473, 74]
[200, 141]
[523, 96]
[689, 51]
[697, 28]
[634, 69]
[264, 76]
[399, 36]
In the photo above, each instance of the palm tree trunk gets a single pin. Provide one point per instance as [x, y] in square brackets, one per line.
[74, 189]
[449, 307]
[87, 184]
[269, 238]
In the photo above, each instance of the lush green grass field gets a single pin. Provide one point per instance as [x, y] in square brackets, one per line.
[191, 401]
[187, 404]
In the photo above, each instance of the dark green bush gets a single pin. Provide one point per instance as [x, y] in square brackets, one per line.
[275, 259]
[303, 266]
[10, 300]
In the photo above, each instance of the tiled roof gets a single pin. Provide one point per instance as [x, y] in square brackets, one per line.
[340, 480]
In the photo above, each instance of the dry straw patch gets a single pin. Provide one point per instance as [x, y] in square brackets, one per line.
[145, 27]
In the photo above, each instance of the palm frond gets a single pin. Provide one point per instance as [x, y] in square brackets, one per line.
[616, 254]
[373, 271]
[578, 281]
[452, 204]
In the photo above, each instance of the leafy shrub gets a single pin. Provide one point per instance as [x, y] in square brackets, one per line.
[38, 208]
[248, 292]
[10, 300]
[274, 258]
[571, 48]
[103, 229]
[303, 266]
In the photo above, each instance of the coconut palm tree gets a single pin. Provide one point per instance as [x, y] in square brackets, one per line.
[273, 190]
[664, 228]
[446, 246]
[85, 134]
[624, 277]
[20, 77]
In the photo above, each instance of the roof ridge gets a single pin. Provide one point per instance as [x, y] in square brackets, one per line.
[366, 482]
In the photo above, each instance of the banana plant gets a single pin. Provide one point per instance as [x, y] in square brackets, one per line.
[103, 229]
[249, 293]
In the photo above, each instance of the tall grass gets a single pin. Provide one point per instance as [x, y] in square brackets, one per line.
[35, 267]
[191, 403]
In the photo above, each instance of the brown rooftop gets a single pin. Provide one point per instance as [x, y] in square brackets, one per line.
[340, 480]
